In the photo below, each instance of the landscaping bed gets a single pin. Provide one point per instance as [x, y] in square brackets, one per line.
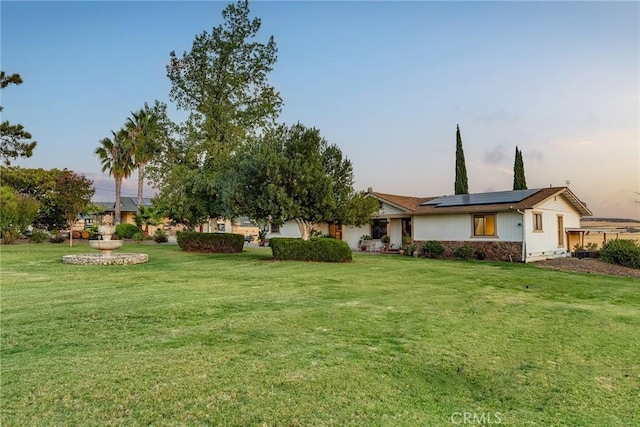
[589, 265]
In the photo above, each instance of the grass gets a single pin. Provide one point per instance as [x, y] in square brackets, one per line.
[196, 339]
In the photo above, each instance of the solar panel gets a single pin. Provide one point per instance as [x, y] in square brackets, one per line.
[493, 198]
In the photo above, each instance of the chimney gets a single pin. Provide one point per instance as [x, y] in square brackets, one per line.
[370, 190]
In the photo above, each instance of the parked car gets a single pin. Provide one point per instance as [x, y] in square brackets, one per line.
[249, 238]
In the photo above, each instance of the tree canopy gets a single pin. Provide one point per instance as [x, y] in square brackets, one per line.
[519, 180]
[222, 83]
[461, 184]
[74, 194]
[292, 173]
[13, 138]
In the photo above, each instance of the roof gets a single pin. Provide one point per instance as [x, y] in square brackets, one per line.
[127, 204]
[408, 203]
[482, 202]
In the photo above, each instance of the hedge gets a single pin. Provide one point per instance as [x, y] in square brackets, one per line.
[621, 251]
[228, 243]
[321, 249]
[126, 231]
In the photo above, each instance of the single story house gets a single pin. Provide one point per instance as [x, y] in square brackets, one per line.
[523, 225]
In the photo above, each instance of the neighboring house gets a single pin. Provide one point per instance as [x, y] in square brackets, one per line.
[523, 225]
[129, 207]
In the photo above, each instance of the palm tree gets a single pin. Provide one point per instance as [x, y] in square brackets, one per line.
[147, 215]
[142, 130]
[116, 159]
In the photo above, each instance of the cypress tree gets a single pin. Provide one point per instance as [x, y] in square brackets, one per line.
[519, 181]
[461, 184]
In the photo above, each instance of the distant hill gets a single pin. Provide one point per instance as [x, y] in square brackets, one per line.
[590, 219]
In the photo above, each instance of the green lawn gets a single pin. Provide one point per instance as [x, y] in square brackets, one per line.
[195, 339]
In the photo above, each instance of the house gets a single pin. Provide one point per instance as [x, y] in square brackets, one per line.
[128, 210]
[523, 225]
[129, 207]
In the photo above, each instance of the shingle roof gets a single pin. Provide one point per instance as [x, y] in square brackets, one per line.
[413, 204]
[127, 204]
[408, 203]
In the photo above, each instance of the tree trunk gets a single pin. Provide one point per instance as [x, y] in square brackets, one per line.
[140, 183]
[116, 219]
[70, 234]
[304, 227]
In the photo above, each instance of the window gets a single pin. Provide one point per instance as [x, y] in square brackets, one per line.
[484, 225]
[221, 227]
[560, 231]
[275, 228]
[378, 228]
[537, 221]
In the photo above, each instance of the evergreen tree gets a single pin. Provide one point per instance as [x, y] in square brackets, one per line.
[13, 138]
[519, 181]
[461, 184]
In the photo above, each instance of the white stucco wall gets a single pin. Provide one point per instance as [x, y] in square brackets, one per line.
[352, 235]
[544, 245]
[459, 227]
[290, 229]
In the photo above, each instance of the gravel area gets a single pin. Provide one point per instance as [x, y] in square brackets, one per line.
[588, 265]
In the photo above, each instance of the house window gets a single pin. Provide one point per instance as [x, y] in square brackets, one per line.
[560, 231]
[221, 227]
[537, 221]
[378, 228]
[275, 228]
[484, 225]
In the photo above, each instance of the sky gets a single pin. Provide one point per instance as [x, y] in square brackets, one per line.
[385, 81]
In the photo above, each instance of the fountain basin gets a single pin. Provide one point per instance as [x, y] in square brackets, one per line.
[99, 259]
[106, 246]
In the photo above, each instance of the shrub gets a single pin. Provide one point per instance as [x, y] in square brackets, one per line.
[160, 236]
[318, 249]
[411, 248]
[192, 241]
[126, 231]
[464, 252]
[57, 238]
[38, 236]
[433, 249]
[621, 251]
[138, 237]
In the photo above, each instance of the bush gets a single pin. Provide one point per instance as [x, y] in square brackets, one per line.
[57, 238]
[464, 252]
[433, 249]
[160, 236]
[138, 237]
[192, 241]
[621, 251]
[126, 231]
[318, 249]
[38, 236]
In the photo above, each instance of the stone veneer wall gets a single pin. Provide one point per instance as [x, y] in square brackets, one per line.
[495, 251]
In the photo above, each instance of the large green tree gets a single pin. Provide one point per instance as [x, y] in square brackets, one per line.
[17, 213]
[461, 183]
[292, 173]
[41, 185]
[222, 83]
[116, 157]
[13, 138]
[519, 180]
[74, 195]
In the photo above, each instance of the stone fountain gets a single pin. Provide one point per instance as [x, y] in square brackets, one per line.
[106, 246]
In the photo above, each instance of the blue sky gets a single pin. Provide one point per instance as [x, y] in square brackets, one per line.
[385, 81]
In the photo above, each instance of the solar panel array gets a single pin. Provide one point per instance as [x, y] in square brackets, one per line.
[497, 197]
